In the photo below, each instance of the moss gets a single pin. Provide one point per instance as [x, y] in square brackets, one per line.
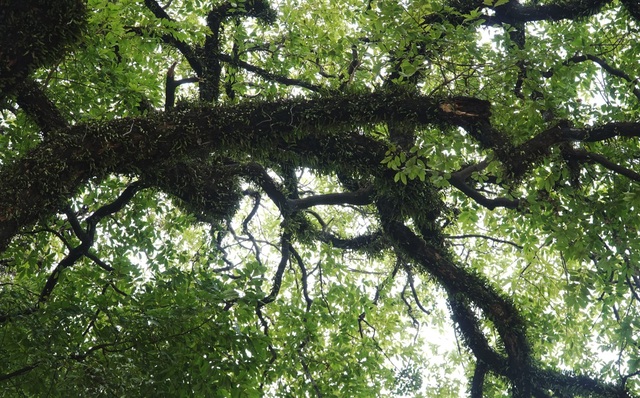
[36, 33]
[207, 189]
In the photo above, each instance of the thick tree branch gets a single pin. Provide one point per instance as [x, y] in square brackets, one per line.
[38, 184]
[36, 34]
[261, 177]
[263, 129]
[519, 159]
[513, 13]
[473, 336]
[370, 242]
[462, 285]
[542, 379]
[602, 132]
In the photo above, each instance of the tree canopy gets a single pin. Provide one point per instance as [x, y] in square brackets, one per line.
[429, 198]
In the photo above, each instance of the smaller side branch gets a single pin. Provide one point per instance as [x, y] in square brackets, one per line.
[86, 237]
[458, 180]
[414, 292]
[270, 76]
[19, 372]
[466, 236]
[606, 163]
[477, 383]
[183, 47]
[277, 279]
[608, 68]
[304, 278]
[360, 197]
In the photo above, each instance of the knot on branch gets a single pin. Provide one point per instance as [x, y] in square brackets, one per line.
[466, 107]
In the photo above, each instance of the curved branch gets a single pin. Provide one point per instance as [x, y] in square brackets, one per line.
[542, 379]
[603, 161]
[277, 279]
[414, 293]
[458, 181]
[604, 65]
[254, 209]
[304, 278]
[473, 336]
[86, 237]
[406, 302]
[270, 76]
[461, 284]
[187, 51]
[261, 177]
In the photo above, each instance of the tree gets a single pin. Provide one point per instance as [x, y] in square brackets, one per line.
[297, 198]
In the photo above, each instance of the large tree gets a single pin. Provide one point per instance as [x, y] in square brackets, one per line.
[322, 198]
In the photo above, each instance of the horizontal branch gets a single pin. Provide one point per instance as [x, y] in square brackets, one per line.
[467, 236]
[38, 184]
[361, 197]
[521, 157]
[361, 242]
[602, 132]
[514, 13]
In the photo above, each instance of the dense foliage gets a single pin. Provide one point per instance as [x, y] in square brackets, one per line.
[321, 198]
